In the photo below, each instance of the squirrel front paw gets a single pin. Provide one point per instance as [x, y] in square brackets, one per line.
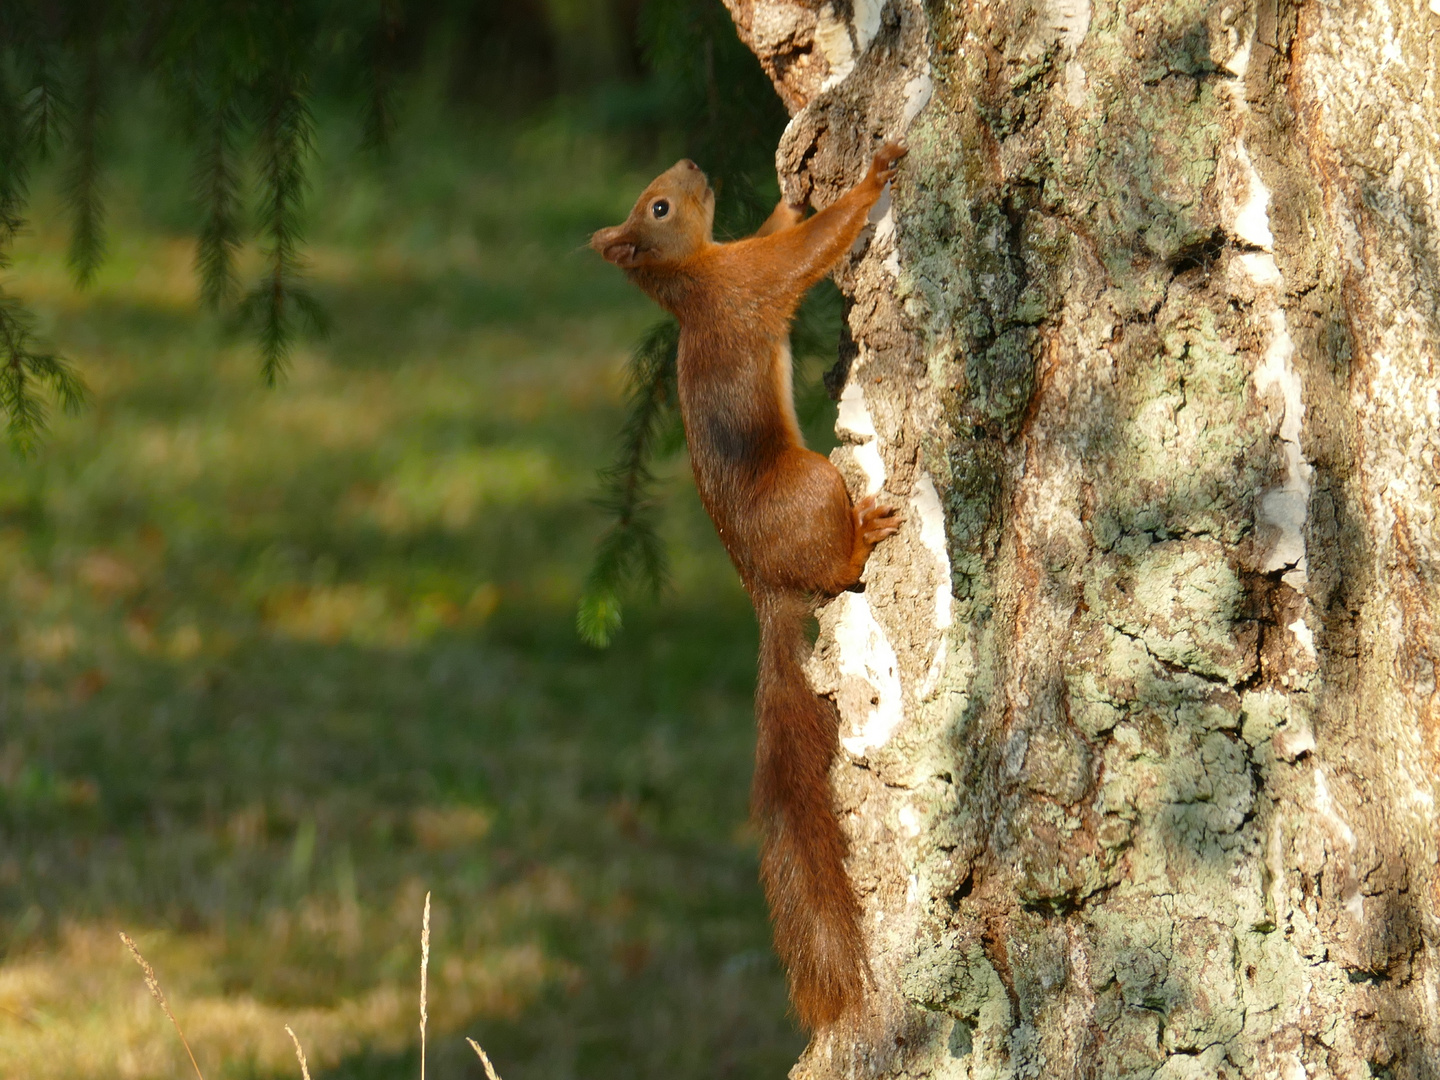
[886, 162]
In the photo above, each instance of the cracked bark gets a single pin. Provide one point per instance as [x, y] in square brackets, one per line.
[1140, 709]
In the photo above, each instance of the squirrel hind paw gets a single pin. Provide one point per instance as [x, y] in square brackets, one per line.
[872, 535]
[875, 521]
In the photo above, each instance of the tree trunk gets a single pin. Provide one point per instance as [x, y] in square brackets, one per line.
[1139, 710]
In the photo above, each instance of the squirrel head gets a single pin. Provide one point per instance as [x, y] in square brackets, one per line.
[672, 220]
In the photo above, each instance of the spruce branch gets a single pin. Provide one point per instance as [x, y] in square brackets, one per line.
[217, 188]
[25, 374]
[380, 76]
[16, 146]
[631, 552]
[82, 177]
[279, 307]
[45, 107]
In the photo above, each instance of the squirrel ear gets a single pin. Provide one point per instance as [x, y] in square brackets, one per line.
[621, 254]
[614, 246]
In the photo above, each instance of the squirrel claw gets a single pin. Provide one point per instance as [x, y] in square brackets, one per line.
[886, 160]
[874, 521]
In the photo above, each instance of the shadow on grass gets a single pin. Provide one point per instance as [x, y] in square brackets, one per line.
[277, 663]
[576, 815]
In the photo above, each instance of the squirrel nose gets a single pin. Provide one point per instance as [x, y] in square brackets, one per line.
[689, 164]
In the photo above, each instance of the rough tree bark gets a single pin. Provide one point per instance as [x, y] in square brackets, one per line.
[1139, 711]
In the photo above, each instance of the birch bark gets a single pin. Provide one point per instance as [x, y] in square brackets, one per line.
[1139, 711]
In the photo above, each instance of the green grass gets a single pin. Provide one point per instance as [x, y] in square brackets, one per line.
[275, 663]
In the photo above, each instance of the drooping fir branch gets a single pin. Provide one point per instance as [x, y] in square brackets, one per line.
[82, 177]
[28, 121]
[46, 106]
[26, 369]
[217, 189]
[16, 146]
[631, 552]
[220, 65]
[380, 76]
[279, 306]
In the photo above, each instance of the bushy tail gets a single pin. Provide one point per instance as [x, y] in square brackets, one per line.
[802, 863]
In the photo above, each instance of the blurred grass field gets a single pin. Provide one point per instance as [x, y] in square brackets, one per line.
[275, 663]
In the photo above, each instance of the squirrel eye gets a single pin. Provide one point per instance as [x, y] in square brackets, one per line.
[660, 208]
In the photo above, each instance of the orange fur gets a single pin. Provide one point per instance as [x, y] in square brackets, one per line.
[785, 518]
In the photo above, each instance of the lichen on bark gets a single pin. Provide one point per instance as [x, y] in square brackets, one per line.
[1140, 708]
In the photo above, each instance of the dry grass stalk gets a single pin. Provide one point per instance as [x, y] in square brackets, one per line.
[299, 1053]
[424, 971]
[490, 1073]
[153, 984]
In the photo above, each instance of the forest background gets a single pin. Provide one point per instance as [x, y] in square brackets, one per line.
[274, 663]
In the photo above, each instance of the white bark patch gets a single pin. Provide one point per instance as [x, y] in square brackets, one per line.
[854, 421]
[882, 240]
[867, 22]
[892, 263]
[1075, 84]
[1239, 62]
[842, 43]
[855, 424]
[1284, 508]
[870, 699]
[1252, 223]
[931, 517]
[909, 821]
[1304, 636]
[917, 95]
[1260, 269]
[867, 456]
[1071, 18]
[880, 211]
[832, 35]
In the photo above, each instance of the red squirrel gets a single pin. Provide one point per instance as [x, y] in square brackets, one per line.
[784, 516]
